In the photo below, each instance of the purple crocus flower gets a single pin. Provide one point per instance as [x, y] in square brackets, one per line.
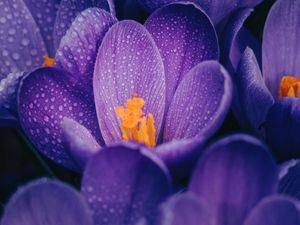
[234, 183]
[159, 69]
[119, 186]
[267, 103]
[31, 32]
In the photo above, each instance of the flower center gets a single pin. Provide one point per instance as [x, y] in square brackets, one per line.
[289, 87]
[48, 61]
[134, 125]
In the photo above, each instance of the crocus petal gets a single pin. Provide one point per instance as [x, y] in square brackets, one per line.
[244, 39]
[78, 48]
[275, 210]
[46, 96]
[233, 176]
[44, 14]
[217, 10]
[184, 209]
[289, 183]
[47, 202]
[282, 128]
[229, 35]
[181, 156]
[19, 49]
[123, 184]
[8, 91]
[281, 43]
[200, 103]
[67, 12]
[82, 145]
[253, 96]
[128, 63]
[185, 37]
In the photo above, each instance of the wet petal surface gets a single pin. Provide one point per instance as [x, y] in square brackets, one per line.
[46, 96]
[128, 63]
[82, 145]
[44, 14]
[19, 49]
[67, 12]
[123, 184]
[185, 37]
[200, 103]
[78, 48]
[254, 98]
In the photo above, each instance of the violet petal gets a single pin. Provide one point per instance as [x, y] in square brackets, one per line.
[48, 202]
[181, 156]
[123, 184]
[81, 143]
[67, 12]
[44, 14]
[282, 128]
[184, 209]
[185, 37]
[233, 176]
[46, 96]
[275, 210]
[254, 98]
[78, 48]
[281, 43]
[19, 49]
[200, 103]
[128, 63]
[229, 34]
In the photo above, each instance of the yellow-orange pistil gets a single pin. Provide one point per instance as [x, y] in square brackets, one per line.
[289, 87]
[134, 125]
[48, 61]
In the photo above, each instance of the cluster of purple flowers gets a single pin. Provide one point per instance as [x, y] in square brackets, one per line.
[134, 107]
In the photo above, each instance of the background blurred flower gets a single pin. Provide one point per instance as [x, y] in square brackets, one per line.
[234, 183]
[119, 186]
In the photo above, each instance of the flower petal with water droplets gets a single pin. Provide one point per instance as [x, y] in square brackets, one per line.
[46, 96]
[44, 14]
[185, 37]
[200, 103]
[21, 45]
[78, 49]
[82, 145]
[128, 63]
[123, 184]
[67, 12]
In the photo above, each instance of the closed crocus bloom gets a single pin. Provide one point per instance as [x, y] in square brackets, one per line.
[153, 84]
[234, 183]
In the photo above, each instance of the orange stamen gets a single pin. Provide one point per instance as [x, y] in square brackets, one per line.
[134, 126]
[289, 87]
[48, 62]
